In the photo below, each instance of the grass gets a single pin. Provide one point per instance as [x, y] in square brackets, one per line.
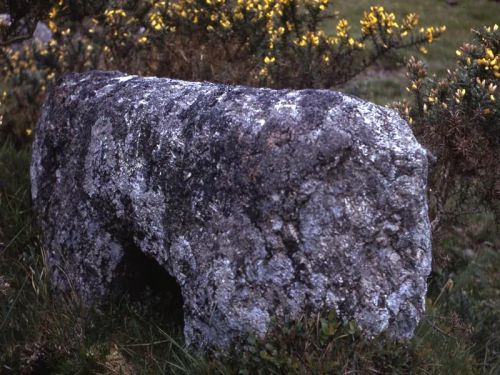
[385, 87]
[460, 333]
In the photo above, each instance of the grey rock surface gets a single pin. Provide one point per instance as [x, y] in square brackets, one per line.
[42, 33]
[259, 202]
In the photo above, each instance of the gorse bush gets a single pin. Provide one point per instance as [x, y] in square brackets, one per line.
[275, 43]
[458, 119]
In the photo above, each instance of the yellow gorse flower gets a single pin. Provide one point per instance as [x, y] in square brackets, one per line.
[112, 14]
[378, 17]
[269, 59]
[459, 94]
[343, 28]
[432, 32]
[156, 21]
[490, 61]
[309, 39]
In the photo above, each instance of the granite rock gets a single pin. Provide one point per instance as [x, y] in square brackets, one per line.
[260, 203]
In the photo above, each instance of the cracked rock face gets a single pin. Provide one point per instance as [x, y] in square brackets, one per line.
[259, 202]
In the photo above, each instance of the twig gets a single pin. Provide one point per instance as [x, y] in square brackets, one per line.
[13, 303]
[441, 331]
[17, 39]
[13, 239]
[147, 343]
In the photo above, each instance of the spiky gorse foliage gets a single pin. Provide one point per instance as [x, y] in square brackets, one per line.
[286, 40]
[277, 43]
[458, 117]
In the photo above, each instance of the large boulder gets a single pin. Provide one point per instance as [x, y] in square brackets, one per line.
[261, 203]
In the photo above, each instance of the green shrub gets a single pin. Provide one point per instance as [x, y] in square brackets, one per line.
[458, 119]
[321, 344]
[475, 300]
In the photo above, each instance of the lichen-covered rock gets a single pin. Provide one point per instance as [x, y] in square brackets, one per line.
[259, 202]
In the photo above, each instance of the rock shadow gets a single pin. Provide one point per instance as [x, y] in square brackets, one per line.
[143, 281]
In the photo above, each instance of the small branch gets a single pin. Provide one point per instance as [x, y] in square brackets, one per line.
[17, 39]
[441, 331]
[147, 344]
[441, 199]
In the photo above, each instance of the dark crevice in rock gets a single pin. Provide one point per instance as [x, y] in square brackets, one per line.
[141, 279]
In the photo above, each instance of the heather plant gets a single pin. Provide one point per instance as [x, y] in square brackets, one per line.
[458, 119]
[275, 43]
